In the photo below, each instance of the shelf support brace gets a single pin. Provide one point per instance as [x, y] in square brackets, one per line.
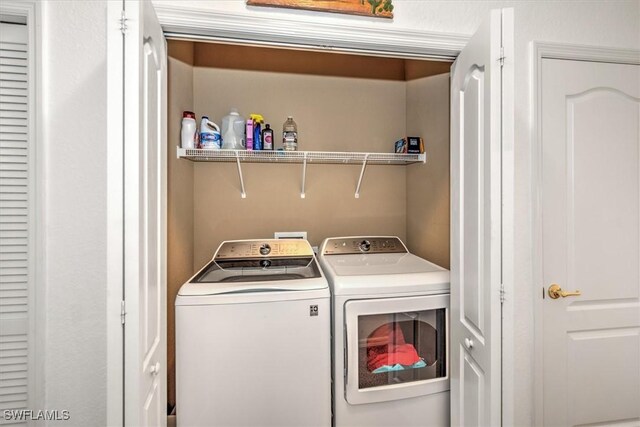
[304, 176]
[242, 192]
[364, 165]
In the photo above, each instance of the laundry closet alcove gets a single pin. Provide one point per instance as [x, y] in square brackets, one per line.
[341, 103]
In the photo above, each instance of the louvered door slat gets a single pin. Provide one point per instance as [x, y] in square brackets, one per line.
[12, 121]
[17, 256]
[12, 286]
[14, 221]
[11, 53]
[16, 62]
[14, 115]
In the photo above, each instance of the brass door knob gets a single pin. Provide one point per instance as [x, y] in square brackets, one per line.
[555, 292]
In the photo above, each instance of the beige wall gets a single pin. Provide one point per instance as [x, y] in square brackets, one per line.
[180, 205]
[333, 114]
[428, 185]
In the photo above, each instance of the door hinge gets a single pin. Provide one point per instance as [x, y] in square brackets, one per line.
[123, 22]
[501, 59]
[501, 293]
[123, 312]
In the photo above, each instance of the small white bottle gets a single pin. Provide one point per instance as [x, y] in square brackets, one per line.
[188, 132]
[290, 135]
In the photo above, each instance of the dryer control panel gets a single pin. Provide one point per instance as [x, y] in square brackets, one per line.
[363, 245]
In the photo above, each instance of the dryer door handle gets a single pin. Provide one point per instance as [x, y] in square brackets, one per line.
[345, 358]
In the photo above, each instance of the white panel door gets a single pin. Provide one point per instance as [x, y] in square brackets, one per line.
[591, 242]
[476, 142]
[145, 217]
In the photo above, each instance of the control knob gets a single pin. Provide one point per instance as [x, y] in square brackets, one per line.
[265, 263]
[364, 246]
[265, 249]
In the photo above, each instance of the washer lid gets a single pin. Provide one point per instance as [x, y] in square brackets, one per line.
[258, 270]
[251, 276]
[252, 266]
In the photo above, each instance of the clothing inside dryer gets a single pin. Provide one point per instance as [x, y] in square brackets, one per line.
[401, 347]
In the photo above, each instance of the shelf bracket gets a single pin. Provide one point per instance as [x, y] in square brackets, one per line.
[364, 165]
[304, 176]
[242, 192]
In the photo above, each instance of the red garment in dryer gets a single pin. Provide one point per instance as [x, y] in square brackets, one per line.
[386, 346]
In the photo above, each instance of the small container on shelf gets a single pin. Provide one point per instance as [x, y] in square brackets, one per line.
[409, 145]
[233, 131]
[290, 135]
[209, 135]
[401, 146]
[267, 137]
[188, 131]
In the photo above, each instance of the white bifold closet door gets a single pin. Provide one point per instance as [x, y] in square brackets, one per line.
[15, 213]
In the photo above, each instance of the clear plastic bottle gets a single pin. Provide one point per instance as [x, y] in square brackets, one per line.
[233, 131]
[290, 135]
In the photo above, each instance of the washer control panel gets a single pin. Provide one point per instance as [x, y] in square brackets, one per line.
[272, 248]
[364, 245]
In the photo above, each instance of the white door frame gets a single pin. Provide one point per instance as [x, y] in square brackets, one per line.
[115, 215]
[303, 33]
[540, 51]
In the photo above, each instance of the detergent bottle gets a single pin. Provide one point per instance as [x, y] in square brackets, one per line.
[233, 131]
[188, 131]
[248, 133]
[209, 135]
[258, 120]
[267, 138]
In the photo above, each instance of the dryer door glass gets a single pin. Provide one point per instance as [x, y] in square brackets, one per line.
[396, 348]
[401, 347]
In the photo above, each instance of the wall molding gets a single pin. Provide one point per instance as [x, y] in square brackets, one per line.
[194, 24]
[583, 53]
[561, 51]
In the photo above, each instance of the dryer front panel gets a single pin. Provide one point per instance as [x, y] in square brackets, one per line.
[396, 348]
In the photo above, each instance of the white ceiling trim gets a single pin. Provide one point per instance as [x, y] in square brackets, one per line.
[296, 32]
[585, 53]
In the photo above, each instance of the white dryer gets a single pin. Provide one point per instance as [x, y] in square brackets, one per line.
[253, 338]
[390, 333]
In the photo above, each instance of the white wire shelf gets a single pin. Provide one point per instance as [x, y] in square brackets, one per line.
[304, 157]
[327, 157]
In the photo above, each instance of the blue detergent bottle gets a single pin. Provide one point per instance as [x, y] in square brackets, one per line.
[258, 120]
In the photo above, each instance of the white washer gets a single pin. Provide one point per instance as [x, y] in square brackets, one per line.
[390, 333]
[253, 338]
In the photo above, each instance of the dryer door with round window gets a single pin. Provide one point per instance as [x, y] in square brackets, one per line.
[396, 348]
